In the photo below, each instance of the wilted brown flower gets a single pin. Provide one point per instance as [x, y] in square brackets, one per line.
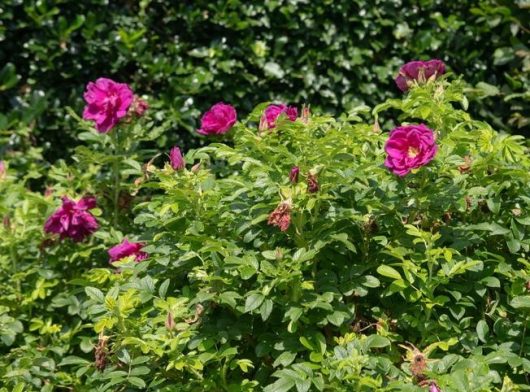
[100, 352]
[312, 183]
[281, 216]
[466, 166]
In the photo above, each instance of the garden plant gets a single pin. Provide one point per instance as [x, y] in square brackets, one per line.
[385, 249]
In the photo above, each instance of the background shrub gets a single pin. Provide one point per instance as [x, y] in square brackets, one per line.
[188, 55]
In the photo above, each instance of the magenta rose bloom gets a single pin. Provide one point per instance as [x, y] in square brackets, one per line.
[293, 174]
[107, 103]
[409, 147]
[218, 120]
[3, 169]
[176, 159]
[73, 220]
[126, 249]
[419, 71]
[272, 112]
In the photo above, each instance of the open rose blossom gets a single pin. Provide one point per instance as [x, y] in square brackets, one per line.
[409, 147]
[419, 71]
[107, 103]
[126, 249]
[176, 159]
[281, 216]
[272, 112]
[73, 220]
[218, 120]
[3, 169]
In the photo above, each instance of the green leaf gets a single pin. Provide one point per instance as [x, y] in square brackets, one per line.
[389, 272]
[95, 294]
[137, 382]
[482, 330]
[284, 359]
[521, 302]
[253, 301]
[376, 341]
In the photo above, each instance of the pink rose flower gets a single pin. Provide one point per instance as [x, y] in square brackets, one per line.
[126, 249]
[409, 147]
[272, 112]
[218, 120]
[3, 169]
[107, 102]
[176, 159]
[419, 71]
[293, 174]
[73, 220]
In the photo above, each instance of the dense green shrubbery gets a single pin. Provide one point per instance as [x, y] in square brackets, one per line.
[380, 282]
[187, 55]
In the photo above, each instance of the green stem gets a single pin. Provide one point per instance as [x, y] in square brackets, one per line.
[116, 175]
[521, 350]
[223, 376]
[14, 264]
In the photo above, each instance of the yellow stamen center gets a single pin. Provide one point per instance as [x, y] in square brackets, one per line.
[413, 152]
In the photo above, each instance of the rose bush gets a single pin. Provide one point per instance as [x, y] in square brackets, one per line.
[285, 260]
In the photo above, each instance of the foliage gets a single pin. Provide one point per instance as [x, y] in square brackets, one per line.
[380, 282]
[188, 55]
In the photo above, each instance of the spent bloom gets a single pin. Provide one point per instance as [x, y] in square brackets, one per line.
[126, 249]
[409, 147]
[272, 112]
[312, 183]
[434, 388]
[176, 159]
[72, 219]
[281, 216]
[419, 71]
[139, 106]
[107, 103]
[293, 174]
[218, 120]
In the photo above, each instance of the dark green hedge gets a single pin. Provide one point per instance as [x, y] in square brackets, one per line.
[190, 54]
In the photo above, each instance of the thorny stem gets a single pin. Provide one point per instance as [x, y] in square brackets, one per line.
[521, 350]
[116, 175]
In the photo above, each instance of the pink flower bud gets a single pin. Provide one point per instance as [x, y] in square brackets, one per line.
[176, 159]
[170, 322]
[293, 174]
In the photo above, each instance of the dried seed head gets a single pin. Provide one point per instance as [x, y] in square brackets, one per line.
[101, 352]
